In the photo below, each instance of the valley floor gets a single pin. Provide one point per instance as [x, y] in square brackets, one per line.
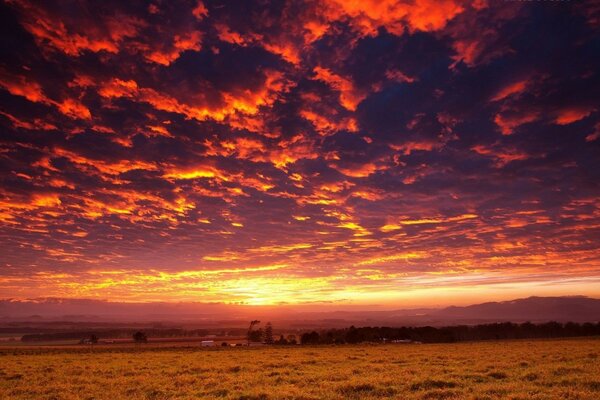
[533, 369]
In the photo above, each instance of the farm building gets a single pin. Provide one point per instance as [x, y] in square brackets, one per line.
[207, 343]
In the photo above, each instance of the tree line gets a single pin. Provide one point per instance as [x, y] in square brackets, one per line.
[426, 334]
[450, 334]
[119, 333]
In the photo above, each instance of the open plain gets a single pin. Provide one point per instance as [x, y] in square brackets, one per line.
[529, 369]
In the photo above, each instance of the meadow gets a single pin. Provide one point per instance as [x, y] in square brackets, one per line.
[528, 369]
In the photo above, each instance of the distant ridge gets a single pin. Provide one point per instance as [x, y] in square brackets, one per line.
[533, 309]
[571, 308]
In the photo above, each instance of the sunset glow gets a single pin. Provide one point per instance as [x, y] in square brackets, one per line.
[304, 152]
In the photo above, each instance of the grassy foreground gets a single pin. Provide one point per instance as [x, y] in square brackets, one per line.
[540, 369]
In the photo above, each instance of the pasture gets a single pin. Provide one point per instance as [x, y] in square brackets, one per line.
[532, 369]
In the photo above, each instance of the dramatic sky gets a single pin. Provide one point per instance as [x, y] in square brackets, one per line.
[331, 151]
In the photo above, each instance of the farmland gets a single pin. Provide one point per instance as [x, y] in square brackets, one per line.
[532, 369]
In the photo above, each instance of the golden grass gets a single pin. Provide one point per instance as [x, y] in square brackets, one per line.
[537, 369]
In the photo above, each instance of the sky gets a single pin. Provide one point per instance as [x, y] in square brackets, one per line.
[330, 152]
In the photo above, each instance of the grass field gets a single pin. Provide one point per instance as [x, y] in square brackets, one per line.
[540, 369]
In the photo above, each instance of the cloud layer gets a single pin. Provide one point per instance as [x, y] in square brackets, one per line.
[298, 151]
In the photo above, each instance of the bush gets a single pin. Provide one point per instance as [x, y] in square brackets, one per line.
[140, 337]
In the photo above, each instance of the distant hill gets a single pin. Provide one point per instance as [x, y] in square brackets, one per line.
[533, 309]
[575, 308]
[94, 312]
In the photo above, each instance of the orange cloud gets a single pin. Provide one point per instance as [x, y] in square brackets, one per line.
[47, 200]
[315, 29]
[360, 171]
[73, 109]
[350, 97]
[118, 88]
[368, 16]
[192, 173]
[394, 224]
[286, 50]
[242, 101]
[327, 125]
[159, 130]
[19, 85]
[182, 42]
[104, 167]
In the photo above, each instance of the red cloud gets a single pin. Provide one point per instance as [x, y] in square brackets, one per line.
[569, 115]
[511, 89]
[594, 135]
[74, 37]
[509, 121]
[37, 123]
[200, 11]
[501, 155]
[19, 85]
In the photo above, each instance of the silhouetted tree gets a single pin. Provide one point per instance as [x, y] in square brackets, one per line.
[256, 335]
[353, 335]
[310, 338]
[249, 334]
[269, 333]
[93, 339]
[140, 337]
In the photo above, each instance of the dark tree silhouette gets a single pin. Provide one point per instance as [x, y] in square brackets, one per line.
[140, 337]
[310, 338]
[450, 334]
[269, 334]
[257, 335]
[93, 339]
[281, 340]
[249, 335]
